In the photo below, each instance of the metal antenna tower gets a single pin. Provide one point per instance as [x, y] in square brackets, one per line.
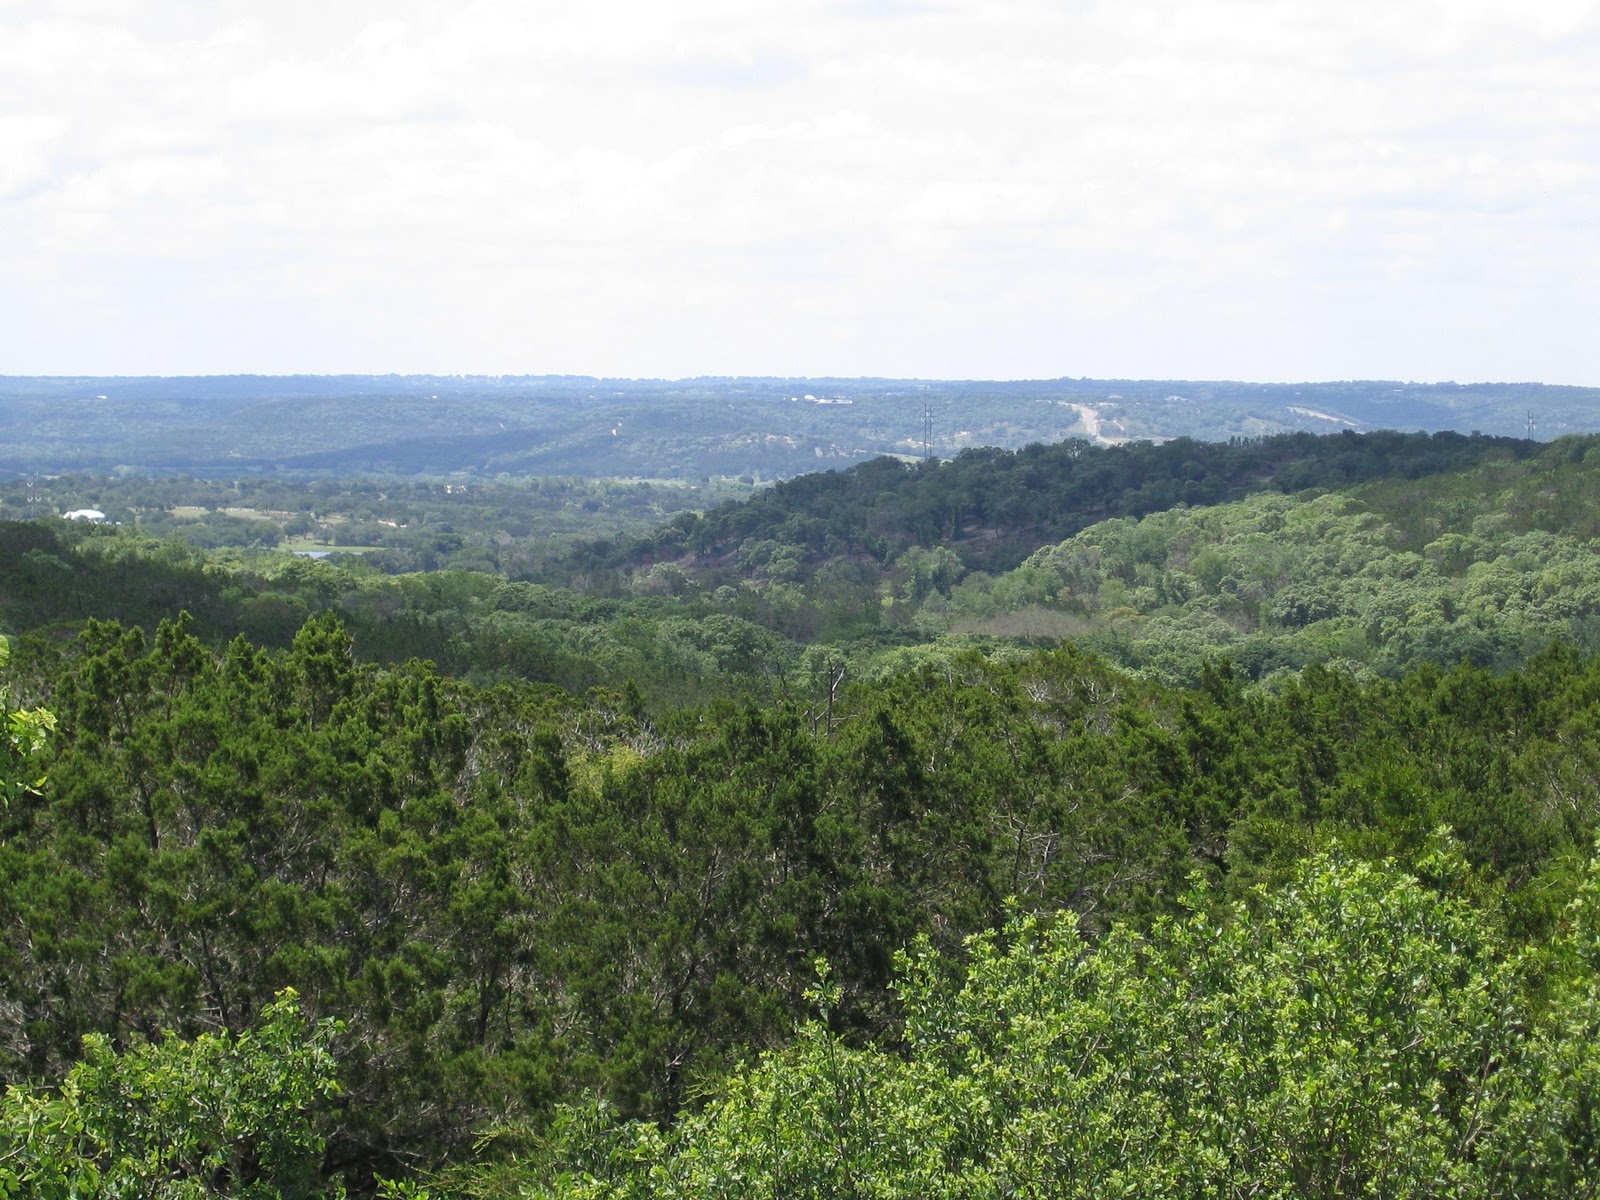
[1530, 424]
[927, 432]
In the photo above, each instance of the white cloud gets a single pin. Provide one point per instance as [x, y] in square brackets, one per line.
[25, 152]
[1130, 187]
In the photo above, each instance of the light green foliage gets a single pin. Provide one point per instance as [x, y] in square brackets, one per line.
[1276, 581]
[23, 737]
[26, 733]
[514, 898]
[919, 573]
[172, 1120]
[1351, 1034]
[1548, 1140]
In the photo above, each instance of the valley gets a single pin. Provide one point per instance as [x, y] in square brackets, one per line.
[596, 833]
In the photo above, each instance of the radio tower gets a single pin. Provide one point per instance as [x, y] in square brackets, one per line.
[1530, 424]
[927, 432]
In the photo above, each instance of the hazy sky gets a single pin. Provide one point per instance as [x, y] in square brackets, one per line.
[1251, 189]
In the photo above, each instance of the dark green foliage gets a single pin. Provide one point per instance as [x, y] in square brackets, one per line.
[596, 845]
[471, 624]
[994, 506]
[510, 897]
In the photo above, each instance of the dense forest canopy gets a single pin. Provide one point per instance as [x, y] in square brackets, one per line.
[990, 506]
[1162, 820]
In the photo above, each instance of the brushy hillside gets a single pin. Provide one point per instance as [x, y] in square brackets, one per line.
[784, 870]
[1486, 565]
[992, 507]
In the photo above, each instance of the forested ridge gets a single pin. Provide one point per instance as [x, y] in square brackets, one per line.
[777, 881]
[991, 506]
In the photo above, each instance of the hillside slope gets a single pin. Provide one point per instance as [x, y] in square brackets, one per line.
[992, 507]
[1487, 564]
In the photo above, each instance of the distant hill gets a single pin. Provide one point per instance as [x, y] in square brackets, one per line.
[1487, 564]
[765, 428]
[993, 507]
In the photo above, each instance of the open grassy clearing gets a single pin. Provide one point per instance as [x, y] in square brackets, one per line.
[249, 514]
[301, 545]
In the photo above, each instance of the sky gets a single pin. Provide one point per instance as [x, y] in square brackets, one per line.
[1272, 190]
